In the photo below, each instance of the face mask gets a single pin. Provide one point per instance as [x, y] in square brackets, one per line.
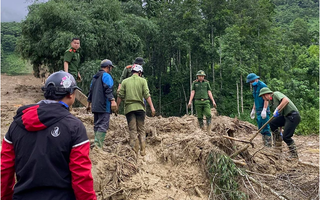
[254, 83]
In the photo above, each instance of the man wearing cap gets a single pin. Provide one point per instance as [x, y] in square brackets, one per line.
[72, 59]
[133, 90]
[289, 118]
[261, 107]
[201, 91]
[102, 101]
[126, 73]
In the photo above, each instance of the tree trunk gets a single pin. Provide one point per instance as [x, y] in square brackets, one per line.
[220, 65]
[160, 93]
[190, 67]
[184, 91]
[212, 43]
[241, 93]
[238, 99]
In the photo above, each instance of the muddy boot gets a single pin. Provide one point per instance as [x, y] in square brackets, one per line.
[293, 151]
[99, 138]
[266, 140]
[277, 140]
[200, 123]
[136, 146]
[142, 140]
[209, 125]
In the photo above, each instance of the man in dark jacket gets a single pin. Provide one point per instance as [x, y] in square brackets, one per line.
[102, 100]
[47, 148]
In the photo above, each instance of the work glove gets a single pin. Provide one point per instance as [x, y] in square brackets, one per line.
[276, 113]
[253, 114]
[114, 109]
[264, 113]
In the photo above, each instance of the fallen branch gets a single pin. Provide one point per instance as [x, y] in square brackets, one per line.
[235, 139]
[198, 192]
[268, 175]
[264, 186]
[239, 162]
[308, 164]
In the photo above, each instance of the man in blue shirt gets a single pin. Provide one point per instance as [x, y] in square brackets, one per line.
[102, 100]
[260, 107]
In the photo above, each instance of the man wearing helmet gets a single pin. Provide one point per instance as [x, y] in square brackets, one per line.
[289, 117]
[72, 59]
[102, 100]
[133, 90]
[48, 148]
[126, 73]
[261, 107]
[201, 91]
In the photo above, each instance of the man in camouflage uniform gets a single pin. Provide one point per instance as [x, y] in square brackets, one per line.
[72, 59]
[201, 92]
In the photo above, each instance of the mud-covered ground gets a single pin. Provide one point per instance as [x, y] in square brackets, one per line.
[176, 163]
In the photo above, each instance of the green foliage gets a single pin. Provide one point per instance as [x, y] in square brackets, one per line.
[278, 40]
[309, 121]
[224, 175]
[12, 64]
[10, 32]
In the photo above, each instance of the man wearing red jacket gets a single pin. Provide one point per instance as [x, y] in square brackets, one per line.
[47, 148]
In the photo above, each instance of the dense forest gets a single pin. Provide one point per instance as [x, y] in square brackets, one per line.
[228, 39]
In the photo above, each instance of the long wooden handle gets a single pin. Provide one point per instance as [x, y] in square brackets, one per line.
[255, 135]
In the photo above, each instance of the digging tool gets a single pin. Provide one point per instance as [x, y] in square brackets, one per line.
[82, 98]
[235, 139]
[255, 135]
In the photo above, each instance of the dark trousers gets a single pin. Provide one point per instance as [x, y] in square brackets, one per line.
[135, 121]
[101, 122]
[290, 123]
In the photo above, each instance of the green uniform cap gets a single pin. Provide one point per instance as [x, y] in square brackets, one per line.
[264, 90]
[201, 73]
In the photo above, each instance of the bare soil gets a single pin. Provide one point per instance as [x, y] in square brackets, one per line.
[176, 163]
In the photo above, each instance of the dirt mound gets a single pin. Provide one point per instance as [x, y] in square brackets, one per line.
[182, 161]
[177, 162]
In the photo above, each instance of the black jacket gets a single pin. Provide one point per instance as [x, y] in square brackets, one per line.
[46, 140]
[101, 92]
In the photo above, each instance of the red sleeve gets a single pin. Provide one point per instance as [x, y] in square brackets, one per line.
[80, 167]
[7, 170]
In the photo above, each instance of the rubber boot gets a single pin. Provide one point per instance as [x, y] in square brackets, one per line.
[200, 123]
[99, 138]
[277, 140]
[136, 146]
[266, 140]
[293, 151]
[142, 140]
[209, 125]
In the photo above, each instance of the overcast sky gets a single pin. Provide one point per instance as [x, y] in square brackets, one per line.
[15, 10]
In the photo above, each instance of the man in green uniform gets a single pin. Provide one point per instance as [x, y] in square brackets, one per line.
[72, 59]
[289, 118]
[126, 73]
[201, 91]
[133, 90]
